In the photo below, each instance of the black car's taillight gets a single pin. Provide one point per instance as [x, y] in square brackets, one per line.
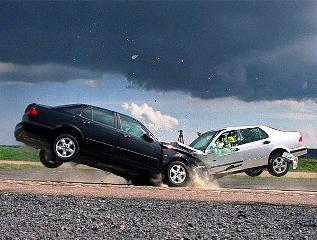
[32, 111]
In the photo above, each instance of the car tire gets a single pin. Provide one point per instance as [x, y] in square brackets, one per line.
[254, 172]
[177, 174]
[277, 166]
[65, 147]
[49, 160]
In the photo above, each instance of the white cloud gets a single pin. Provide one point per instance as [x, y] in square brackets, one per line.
[10, 72]
[91, 83]
[296, 116]
[6, 67]
[301, 106]
[153, 119]
[15, 83]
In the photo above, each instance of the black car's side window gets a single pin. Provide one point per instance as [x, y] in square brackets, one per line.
[103, 116]
[131, 126]
[87, 113]
[249, 135]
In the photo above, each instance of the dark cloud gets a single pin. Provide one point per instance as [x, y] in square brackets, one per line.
[251, 50]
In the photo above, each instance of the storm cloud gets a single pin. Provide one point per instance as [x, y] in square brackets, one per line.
[256, 50]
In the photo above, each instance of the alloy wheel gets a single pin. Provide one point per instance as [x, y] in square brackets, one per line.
[65, 147]
[177, 174]
[279, 165]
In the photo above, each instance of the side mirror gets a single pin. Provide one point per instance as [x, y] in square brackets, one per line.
[148, 138]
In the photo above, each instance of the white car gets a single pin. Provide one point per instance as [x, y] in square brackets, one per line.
[248, 148]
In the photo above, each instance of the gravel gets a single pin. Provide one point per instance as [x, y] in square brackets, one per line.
[66, 217]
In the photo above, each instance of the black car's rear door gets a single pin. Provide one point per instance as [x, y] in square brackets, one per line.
[133, 148]
[100, 133]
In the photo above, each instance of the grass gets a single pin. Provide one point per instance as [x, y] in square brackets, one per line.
[19, 153]
[306, 165]
[20, 166]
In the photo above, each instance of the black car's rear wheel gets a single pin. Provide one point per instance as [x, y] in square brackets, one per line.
[65, 147]
[254, 172]
[49, 160]
[177, 174]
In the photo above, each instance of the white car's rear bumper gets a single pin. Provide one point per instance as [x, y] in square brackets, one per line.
[299, 151]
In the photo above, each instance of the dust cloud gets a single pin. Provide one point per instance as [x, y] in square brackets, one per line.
[203, 182]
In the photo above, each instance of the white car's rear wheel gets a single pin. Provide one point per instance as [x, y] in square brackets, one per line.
[254, 172]
[278, 167]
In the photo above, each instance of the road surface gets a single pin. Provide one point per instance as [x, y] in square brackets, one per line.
[89, 204]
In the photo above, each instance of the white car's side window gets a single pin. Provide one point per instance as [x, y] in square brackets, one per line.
[225, 143]
[249, 135]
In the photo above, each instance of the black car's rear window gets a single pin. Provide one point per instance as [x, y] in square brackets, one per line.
[76, 110]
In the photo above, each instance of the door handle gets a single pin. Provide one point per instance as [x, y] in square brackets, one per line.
[125, 135]
[266, 142]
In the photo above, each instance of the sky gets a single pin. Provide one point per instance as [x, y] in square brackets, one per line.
[194, 66]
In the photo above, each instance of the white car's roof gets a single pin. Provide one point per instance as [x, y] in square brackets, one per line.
[240, 127]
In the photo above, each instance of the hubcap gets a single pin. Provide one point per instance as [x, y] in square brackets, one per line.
[177, 174]
[279, 165]
[65, 148]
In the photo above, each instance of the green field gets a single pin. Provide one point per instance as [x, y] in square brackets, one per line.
[19, 153]
[306, 165]
[31, 154]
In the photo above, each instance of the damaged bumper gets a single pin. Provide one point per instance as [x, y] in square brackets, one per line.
[23, 133]
[291, 159]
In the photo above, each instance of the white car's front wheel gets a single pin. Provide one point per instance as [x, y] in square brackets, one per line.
[277, 166]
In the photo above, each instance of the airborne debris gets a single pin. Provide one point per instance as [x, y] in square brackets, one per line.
[134, 56]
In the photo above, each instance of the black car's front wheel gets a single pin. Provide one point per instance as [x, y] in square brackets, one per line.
[49, 160]
[139, 181]
[65, 147]
[178, 174]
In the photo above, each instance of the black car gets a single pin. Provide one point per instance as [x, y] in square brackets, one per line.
[106, 140]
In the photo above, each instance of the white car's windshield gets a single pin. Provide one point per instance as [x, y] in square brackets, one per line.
[202, 142]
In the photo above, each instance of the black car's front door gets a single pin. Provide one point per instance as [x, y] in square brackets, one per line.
[100, 133]
[132, 146]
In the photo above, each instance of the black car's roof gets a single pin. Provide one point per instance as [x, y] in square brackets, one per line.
[72, 105]
[108, 110]
[88, 105]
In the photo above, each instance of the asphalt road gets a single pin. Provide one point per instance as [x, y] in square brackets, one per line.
[76, 203]
[29, 216]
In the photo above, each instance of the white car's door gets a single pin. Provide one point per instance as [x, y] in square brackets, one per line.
[222, 159]
[255, 147]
